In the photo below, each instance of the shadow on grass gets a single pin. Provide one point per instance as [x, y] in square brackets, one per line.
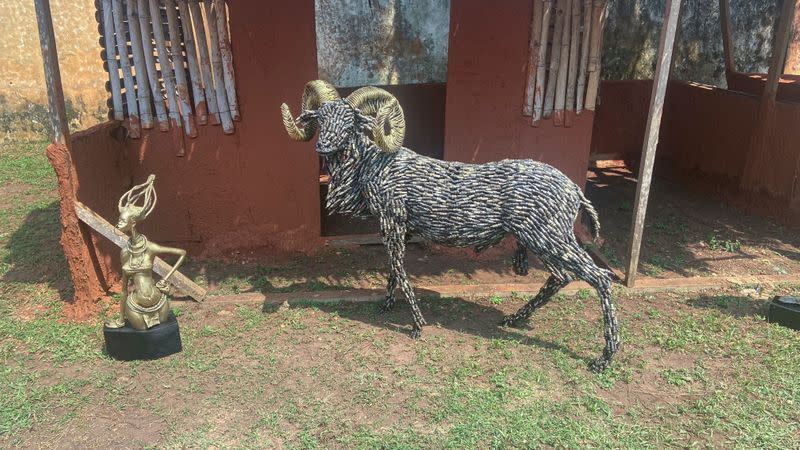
[736, 306]
[454, 314]
[34, 252]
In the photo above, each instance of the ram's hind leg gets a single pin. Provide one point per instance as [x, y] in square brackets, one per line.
[520, 261]
[581, 264]
[557, 280]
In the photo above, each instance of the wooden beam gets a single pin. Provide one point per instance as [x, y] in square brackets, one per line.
[120, 239]
[52, 74]
[759, 154]
[727, 36]
[663, 64]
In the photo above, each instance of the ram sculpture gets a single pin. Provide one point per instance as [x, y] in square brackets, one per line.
[445, 202]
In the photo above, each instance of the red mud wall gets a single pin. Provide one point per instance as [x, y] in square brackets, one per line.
[485, 83]
[251, 189]
[705, 138]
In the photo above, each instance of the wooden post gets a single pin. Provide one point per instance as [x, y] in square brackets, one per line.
[563, 66]
[758, 157]
[227, 57]
[541, 65]
[555, 60]
[595, 44]
[205, 61]
[142, 80]
[216, 67]
[178, 64]
[52, 73]
[663, 64]
[167, 73]
[727, 36]
[146, 30]
[111, 62]
[125, 63]
[792, 65]
[199, 96]
[533, 57]
[572, 76]
[587, 26]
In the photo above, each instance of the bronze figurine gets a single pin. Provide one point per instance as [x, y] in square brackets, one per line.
[147, 305]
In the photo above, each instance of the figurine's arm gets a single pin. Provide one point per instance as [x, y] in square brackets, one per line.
[160, 250]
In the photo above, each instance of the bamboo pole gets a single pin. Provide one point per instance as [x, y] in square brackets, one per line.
[139, 65]
[200, 109]
[164, 63]
[598, 17]
[152, 73]
[727, 36]
[660, 80]
[563, 66]
[533, 57]
[555, 60]
[227, 58]
[587, 26]
[572, 73]
[52, 73]
[205, 62]
[111, 62]
[178, 64]
[541, 63]
[216, 67]
[125, 63]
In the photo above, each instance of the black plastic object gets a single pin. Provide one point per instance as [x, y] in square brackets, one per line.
[127, 344]
[785, 311]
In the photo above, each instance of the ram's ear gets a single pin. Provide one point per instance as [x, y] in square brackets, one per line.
[363, 121]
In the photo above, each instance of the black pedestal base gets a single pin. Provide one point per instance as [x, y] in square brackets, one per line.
[785, 311]
[127, 344]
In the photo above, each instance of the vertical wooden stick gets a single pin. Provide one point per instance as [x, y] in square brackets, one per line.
[792, 64]
[178, 63]
[727, 37]
[587, 26]
[142, 80]
[563, 65]
[216, 67]
[572, 73]
[125, 63]
[555, 60]
[541, 64]
[111, 61]
[533, 57]
[598, 17]
[200, 109]
[205, 61]
[227, 58]
[152, 73]
[663, 63]
[165, 65]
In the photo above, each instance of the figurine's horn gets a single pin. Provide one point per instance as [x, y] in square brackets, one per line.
[315, 94]
[385, 107]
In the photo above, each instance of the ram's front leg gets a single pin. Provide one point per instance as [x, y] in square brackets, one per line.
[391, 286]
[394, 232]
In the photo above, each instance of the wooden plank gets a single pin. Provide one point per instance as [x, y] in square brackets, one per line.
[179, 66]
[146, 30]
[533, 57]
[120, 239]
[227, 57]
[541, 65]
[118, 11]
[216, 68]
[142, 79]
[205, 61]
[595, 48]
[587, 26]
[52, 73]
[555, 60]
[727, 36]
[572, 77]
[111, 61]
[563, 66]
[663, 64]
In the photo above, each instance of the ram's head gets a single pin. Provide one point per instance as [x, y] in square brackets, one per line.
[366, 109]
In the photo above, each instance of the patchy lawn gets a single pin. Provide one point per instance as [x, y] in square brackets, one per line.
[696, 370]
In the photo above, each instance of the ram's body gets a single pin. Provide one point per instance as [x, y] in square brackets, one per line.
[450, 203]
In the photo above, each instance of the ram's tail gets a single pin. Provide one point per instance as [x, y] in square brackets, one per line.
[594, 221]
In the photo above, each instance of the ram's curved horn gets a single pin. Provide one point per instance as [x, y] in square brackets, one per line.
[375, 101]
[315, 94]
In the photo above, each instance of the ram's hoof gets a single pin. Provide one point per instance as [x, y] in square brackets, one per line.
[383, 309]
[416, 333]
[509, 321]
[599, 365]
